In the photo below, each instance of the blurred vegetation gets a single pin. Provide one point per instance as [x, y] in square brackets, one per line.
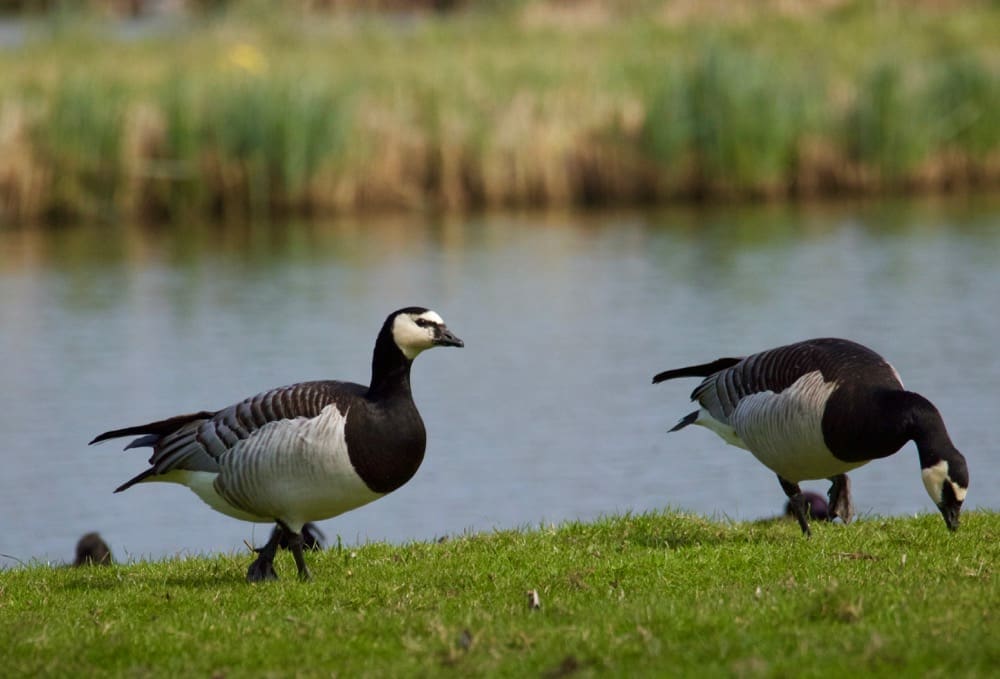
[235, 108]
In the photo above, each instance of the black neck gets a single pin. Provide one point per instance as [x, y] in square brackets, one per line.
[390, 368]
[925, 427]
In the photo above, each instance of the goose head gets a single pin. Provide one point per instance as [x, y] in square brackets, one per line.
[415, 329]
[946, 482]
[943, 469]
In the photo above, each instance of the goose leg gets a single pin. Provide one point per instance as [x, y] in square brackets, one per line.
[840, 498]
[798, 503]
[312, 536]
[263, 566]
[295, 543]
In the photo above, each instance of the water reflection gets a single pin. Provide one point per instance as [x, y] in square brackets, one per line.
[546, 415]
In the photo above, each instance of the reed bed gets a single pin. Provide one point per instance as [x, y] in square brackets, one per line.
[261, 114]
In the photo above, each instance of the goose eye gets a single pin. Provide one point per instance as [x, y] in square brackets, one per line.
[423, 322]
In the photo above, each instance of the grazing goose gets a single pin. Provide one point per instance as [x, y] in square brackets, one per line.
[819, 408]
[304, 452]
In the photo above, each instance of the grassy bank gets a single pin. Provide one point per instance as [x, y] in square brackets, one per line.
[500, 104]
[651, 595]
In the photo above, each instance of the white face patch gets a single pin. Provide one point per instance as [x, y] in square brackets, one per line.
[934, 480]
[958, 490]
[412, 338]
[432, 316]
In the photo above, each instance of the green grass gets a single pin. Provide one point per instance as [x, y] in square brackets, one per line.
[652, 595]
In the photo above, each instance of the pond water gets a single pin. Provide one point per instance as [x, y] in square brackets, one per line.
[546, 415]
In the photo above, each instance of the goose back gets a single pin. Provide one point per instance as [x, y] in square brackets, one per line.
[838, 361]
[312, 450]
[812, 409]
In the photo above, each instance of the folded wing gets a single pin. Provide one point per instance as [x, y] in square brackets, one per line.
[197, 441]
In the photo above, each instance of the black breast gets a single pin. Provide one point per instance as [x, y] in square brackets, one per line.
[860, 424]
[385, 442]
[861, 420]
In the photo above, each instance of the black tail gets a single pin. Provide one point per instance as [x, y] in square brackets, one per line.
[688, 419]
[154, 431]
[136, 479]
[703, 370]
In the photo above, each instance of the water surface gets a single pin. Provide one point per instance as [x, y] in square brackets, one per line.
[546, 415]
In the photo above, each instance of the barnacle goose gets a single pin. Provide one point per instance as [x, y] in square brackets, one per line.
[303, 452]
[819, 408]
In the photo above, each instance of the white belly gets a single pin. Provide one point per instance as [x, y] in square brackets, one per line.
[293, 470]
[203, 485]
[796, 459]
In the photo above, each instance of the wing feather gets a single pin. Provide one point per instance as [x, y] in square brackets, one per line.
[197, 442]
[775, 370]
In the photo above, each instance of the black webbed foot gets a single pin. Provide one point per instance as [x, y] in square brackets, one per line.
[263, 566]
[261, 570]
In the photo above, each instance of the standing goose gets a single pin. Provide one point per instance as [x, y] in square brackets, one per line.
[304, 452]
[819, 408]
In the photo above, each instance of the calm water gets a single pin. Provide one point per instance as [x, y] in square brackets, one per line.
[547, 414]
